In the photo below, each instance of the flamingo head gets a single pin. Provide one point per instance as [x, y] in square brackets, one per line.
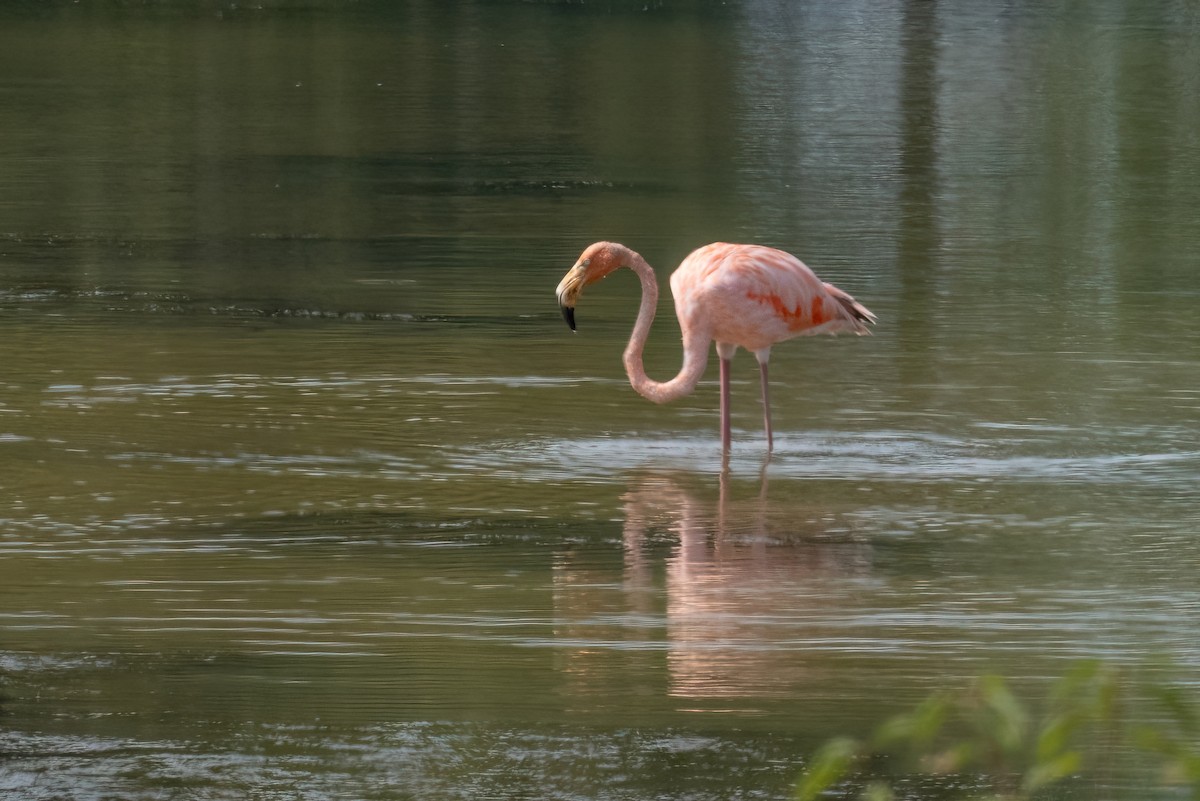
[597, 261]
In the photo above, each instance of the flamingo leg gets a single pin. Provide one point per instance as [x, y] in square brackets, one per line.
[766, 400]
[764, 355]
[726, 437]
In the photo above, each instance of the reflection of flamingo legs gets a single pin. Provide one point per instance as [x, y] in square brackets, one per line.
[730, 580]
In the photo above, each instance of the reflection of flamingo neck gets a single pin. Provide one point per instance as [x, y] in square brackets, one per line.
[695, 351]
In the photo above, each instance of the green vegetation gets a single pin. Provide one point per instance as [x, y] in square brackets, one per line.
[986, 743]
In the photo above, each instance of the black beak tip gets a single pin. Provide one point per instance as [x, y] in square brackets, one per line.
[568, 313]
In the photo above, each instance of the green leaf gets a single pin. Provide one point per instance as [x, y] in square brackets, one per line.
[1007, 721]
[916, 729]
[1057, 769]
[952, 759]
[1056, 735]
[1151, 739]
[877, 791]
[828, 766]
[1180, 708]
[1079, 678]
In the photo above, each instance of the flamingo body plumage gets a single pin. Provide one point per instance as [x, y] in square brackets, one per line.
[747, 296]
[754, 296]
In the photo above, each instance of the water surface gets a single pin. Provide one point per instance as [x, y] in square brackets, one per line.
[306, 491]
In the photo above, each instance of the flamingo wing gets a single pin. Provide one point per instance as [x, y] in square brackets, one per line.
[754, 296]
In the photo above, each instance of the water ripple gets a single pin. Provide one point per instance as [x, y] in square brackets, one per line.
[858, 455]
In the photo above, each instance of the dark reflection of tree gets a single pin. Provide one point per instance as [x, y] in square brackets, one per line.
[1150, 97]
[266, 153]
[918, 235]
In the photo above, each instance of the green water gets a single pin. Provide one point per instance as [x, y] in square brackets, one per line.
[307, 492]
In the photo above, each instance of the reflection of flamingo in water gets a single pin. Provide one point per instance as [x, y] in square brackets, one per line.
[734, 596]
[743, 580]
[746, 296]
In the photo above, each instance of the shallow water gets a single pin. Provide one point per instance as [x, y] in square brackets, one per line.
[306, 490]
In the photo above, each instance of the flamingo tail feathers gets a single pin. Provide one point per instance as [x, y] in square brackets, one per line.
[859, 314]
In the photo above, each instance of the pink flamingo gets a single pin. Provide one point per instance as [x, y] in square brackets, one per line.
[747, 296]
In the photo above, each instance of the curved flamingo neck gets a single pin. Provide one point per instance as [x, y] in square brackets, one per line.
[695, 353]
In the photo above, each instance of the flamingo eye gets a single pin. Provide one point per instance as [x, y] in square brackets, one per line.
[585, 263]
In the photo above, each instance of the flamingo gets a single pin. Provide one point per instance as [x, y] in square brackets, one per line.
[748, 296]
